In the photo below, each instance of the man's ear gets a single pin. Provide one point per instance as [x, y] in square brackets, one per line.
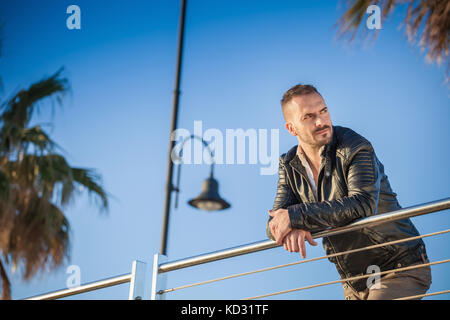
[290, 127]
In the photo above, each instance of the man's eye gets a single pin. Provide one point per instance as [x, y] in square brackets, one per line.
[307, 116]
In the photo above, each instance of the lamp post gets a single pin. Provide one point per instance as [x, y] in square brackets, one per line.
[176, 95]
[209, 199]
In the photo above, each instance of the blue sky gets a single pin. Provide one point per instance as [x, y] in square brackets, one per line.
[239, 58]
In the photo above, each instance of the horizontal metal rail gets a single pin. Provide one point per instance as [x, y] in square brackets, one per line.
[404, 213]
[136, 279]
[365, 276]
[84, 288]
[420, 296]
[304, 261]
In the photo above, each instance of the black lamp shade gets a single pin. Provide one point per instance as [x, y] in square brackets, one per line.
[209, 199]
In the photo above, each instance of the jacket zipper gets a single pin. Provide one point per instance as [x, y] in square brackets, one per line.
[316, 198]
[307, 181]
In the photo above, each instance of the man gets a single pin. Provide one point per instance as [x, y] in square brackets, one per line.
[330, 179]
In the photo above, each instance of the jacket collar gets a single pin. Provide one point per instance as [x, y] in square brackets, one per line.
[292, 158]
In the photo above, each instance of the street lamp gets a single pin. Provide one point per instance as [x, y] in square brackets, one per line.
[209, 199]
[173, 126]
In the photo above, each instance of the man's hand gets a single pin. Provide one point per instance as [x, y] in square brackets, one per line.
[280, 225]
[294, 241]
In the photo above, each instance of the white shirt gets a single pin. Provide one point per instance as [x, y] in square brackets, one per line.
[305, 163]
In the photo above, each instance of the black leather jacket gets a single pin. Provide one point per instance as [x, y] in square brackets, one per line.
[351, 185]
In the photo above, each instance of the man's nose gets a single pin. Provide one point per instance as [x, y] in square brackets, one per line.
[319, 122]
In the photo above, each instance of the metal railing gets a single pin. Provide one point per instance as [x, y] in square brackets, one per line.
[136, 279]
[161, 266]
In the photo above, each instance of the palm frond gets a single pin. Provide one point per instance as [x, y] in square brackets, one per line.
[40, 235]
[51, 173]
[37, 138]
[4, 186]
[18, 111]
[89, 179]
[6, 285]
[350, 21]
[433, 14]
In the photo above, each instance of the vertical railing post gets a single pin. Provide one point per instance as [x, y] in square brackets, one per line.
[158, 280]
[137, 281]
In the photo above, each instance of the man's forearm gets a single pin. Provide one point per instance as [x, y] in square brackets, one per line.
[363, 184]
[318, 216]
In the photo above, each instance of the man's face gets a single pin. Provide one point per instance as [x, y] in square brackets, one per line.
[308, 118]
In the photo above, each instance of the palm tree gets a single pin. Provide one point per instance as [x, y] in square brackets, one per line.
[433, 36]
[36, 184]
